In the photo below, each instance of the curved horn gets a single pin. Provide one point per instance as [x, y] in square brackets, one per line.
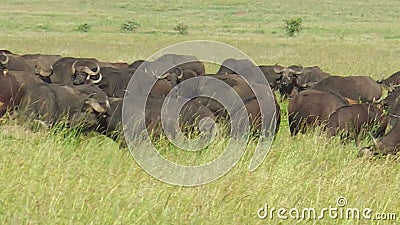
[180, 76]
[165, 75]
[97, 70]
[90, 72]
[297, 72]
[98, 80]
[44, 73]
[4, 62]
[95, 105]
[276, 70]
[40, 71]
[300, 71]
[73, 70]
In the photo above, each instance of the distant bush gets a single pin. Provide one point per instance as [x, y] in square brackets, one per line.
[293, 26]
[131, 25]
[83, 27]
[182, 28]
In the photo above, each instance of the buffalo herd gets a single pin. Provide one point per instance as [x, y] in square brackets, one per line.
[88, 93]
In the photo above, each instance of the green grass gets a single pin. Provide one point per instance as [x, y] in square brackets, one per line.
[64, 177]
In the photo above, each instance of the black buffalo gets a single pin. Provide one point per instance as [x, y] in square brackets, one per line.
[41, 64]
[360, 88]
[287, 83]
[52, 103]
[388, 144]
[73, 71]
[9, 87]
[356, 120]
[312, 108]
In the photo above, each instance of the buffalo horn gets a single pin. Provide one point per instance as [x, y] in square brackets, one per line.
[95, 105]
[180, 76]
[73, 70]
[5, 61]
[90, 72]
[98, 80]
[298, 72]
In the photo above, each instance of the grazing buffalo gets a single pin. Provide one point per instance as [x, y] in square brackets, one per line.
[360, 88]
[233, 66]
[52, 103]
[388, 144]
[312, 108]
[355, 121]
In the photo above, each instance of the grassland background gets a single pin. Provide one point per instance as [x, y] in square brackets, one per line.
[50, 177]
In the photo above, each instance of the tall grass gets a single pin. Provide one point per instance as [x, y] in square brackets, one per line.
[66, 177]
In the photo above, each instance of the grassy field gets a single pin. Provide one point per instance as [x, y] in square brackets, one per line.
[64, 177]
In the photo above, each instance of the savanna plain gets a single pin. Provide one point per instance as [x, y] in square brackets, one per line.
[62, 176]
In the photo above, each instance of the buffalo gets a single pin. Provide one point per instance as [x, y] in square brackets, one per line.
[356, 120]
[360, 88]
[312, 108]
[52, 103]
[388, 144]
[9, 87]
[74, 71]
[41, 64]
